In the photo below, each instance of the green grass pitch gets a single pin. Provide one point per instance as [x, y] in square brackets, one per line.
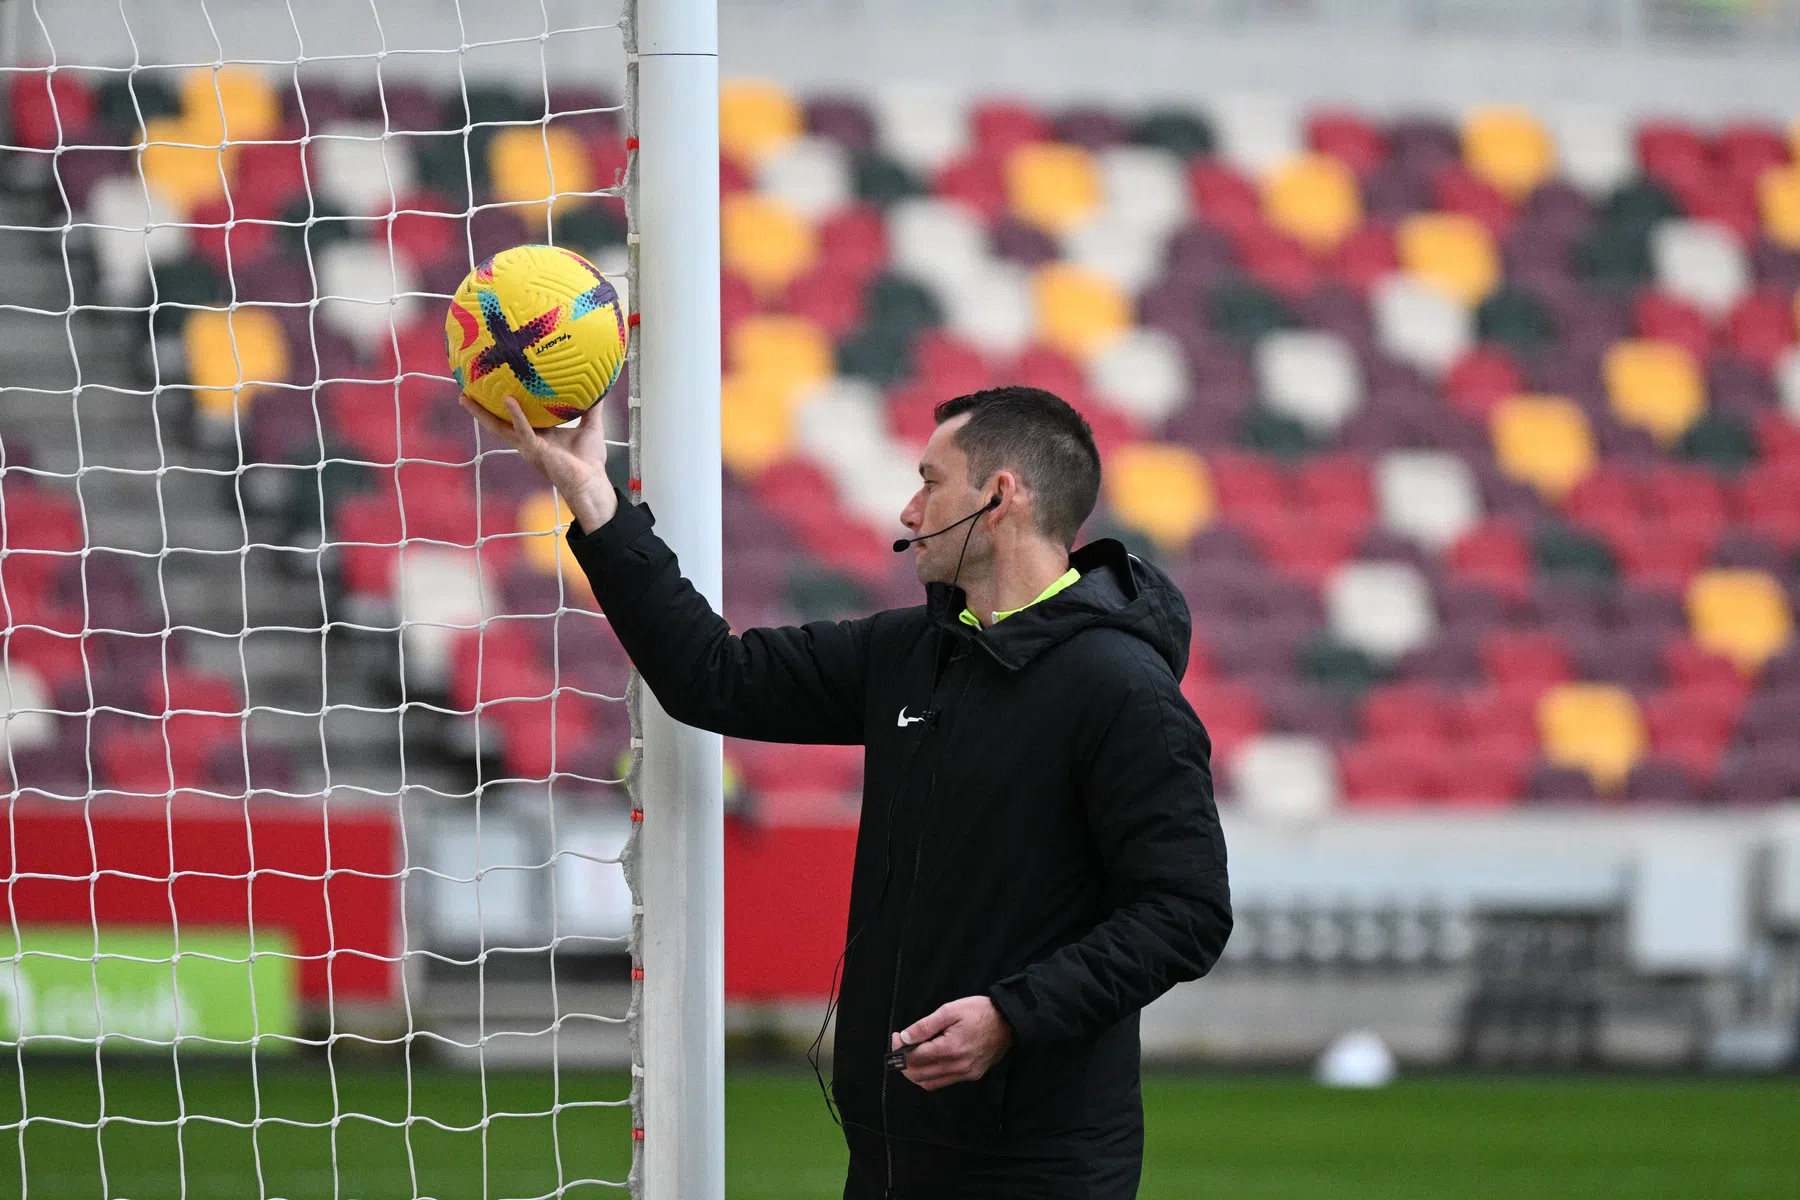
[1245, 1139]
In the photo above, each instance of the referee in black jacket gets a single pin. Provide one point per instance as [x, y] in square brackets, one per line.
[1039, 854]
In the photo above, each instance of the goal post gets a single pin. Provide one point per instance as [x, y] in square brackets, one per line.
[673, 66]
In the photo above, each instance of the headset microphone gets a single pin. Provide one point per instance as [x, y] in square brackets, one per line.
[902, 544]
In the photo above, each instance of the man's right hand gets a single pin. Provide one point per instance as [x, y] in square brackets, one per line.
[572, 457]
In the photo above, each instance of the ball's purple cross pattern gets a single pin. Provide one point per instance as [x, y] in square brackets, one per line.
[510, 344]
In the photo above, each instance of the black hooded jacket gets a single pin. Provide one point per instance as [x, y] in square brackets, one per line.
[1044, 836]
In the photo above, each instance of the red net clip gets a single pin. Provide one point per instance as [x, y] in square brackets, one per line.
[631, 143]
[637, 972]
[637, 1135]
[637, 814]
[631, 322]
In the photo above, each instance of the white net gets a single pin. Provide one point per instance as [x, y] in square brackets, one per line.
[317, 752]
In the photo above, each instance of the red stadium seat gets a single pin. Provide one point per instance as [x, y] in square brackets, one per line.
[854, 242]
[1487, 771]
[1400, 771]
[556, 733]
[1778, 438]
[1693, 725]
[1231, 712]
[1502, 715]
[40, 529]
[1671, 149]
[1042, 367]
[1002, 126]
[975, 181]
[1525, 659]
[1496, 555]
[1348, 137]
[218, 231]
[47, 109]
[1761, 327]
[1455, 190]
[1745, 150]
[828, 297]
[1338, 484]
[1246, 484]
[1481, 379]
[269, 176]
[500, 660]
[949, 367]
[774, 768]
[142, 760]
[1396, 709]
[1224, 199]
[1657, 314]
[1366, 256]
[1768, 501]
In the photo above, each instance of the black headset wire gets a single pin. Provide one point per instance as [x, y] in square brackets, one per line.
[815, 1052]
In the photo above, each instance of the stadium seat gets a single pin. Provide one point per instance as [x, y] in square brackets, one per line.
[765, 243]
[1660, 316]
[1451, 252]
[529, 166]
[184, 166]
[1313, 198]
[1778, 199]
[790, 352]
[1131, 255]
[229, 103]
[1310, 376]
[1223, 197]
[354, 170]
[1142, 375]
[48, 108]
[1700, 262]
[992, 308]
[1163, 490]
[1285, 778]
[542, 518]
[756, 118]
[1052, 186]
[755, 423]
[1761, 328]
[1655, 385]
[1542, 440]
[1347, 137]
[1594, 145]
[227, 354]
[1787, 382]
[1741, 614]
[437, 591]
[841, 427]
[810, 175]
[363, 292]
[29, 722]
[1421, 325]
[1257, 133]
[1508, 148]
[922, 126]
[1143, 188]
[1429, 496]
[933, 240]
[1595, 728]
[1079, 313]
[1383, 609]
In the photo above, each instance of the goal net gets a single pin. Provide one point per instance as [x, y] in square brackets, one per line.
[319, 759]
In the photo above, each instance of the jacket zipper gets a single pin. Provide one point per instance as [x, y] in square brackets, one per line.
[887, 1141]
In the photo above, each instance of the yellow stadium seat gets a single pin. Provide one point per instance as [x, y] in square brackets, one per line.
[1594, 727]
[791, 352]
[185, 167]
[1079, 312]
[756, 418]
[228, 352]
[1314, 198]
[1656, 385]
[1163, 490]
[1052, 185]
[1778, 193]
[532, 164]
[234, 103]
[1451, 252]
[1543, 440]
[1741, 614]
[1509, 148]
[756, 119]
[765, 242]
[544, 516]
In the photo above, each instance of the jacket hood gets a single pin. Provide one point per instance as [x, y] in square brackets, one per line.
[1117, 590]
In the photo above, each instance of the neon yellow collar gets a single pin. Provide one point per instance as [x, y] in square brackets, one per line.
[1064, 580]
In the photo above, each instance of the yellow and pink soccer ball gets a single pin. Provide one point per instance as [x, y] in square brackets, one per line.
[539, 324]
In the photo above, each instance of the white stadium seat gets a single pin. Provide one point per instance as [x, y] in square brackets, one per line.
[22, 690]
[1427, 495]
[1258, 132]
[358, 172]
[991, 307]
[1145, 188]
[1131, 255]
[922, 126]
[1701, 262]
[1284, 778]
[810, 175]
[1310, 376]
[437, 589]
[1594, 144]
[1787, 381]
[1383, 609]
[934, 240]
[362, 291]
[1142, 375]
[1420, 325]
[124, 244]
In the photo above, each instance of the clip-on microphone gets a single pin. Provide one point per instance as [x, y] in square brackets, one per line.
[901, 545]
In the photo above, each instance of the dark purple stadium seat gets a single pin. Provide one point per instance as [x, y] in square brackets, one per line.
[1301, 707]
[1553, 785]
[1093, 127]
[1659, 782]
[77, 171]
[1629, 657]
[1015, 241]
[844, 120]
[1763, 776]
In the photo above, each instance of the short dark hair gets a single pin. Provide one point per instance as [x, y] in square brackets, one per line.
[1041, 437]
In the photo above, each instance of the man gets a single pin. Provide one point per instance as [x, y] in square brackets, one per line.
[1039, 855]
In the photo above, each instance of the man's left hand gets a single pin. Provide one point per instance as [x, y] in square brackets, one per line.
[955, 1044]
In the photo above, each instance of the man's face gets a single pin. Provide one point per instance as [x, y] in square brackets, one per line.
[944, 496]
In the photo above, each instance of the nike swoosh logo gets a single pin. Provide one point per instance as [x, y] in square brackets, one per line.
[903, 721]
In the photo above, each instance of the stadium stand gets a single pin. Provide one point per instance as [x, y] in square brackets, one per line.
[1475, 446]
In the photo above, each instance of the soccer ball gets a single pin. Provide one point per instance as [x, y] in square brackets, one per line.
[539, 324]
